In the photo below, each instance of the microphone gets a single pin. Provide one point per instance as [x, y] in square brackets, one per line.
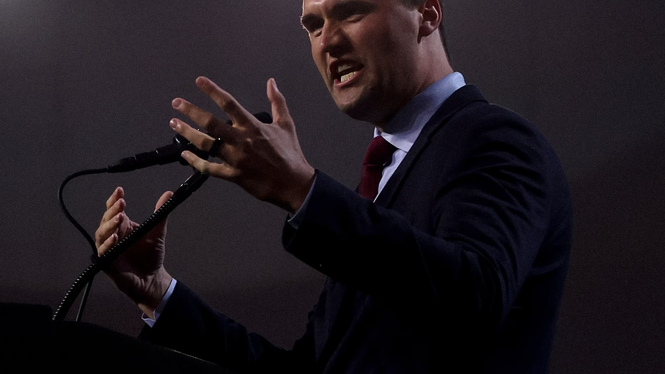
[168, 153]
[160, 156]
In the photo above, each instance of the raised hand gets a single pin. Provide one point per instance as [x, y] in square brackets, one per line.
[264, 159]
[139, 272]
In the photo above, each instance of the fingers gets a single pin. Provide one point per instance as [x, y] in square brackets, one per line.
[200, 140]
[119, 193]
[108, 229]
[203, 118]
[107, 244]
[162, 199]
[240, 117]
[224, 171]
[224, 100]
[114, 205]
[235, 139]
[160, 230]
[113, 217]
[280, 111]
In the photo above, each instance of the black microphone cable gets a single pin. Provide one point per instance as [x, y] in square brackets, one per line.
[160, 156]
[180, 195]
[80, 228]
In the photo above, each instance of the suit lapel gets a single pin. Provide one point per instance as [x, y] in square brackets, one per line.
[343, 300]
[458, 100]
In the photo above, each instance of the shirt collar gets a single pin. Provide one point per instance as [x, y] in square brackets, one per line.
[413, 117]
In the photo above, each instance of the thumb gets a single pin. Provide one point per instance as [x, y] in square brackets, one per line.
[280, 112]
[162, 199]
[160, 229]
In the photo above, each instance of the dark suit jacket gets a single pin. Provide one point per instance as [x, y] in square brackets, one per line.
[459, 266]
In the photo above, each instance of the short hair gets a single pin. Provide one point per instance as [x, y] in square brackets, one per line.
[442, 29]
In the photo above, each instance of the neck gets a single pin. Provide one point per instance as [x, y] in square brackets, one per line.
[389, 126]
[433, 65]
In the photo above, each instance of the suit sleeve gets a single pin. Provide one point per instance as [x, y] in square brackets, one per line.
[489, 205]
[189, 325]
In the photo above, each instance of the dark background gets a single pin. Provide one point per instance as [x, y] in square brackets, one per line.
[84, 83]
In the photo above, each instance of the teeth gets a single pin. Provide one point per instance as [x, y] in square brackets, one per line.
[348, 76]
[343, 67]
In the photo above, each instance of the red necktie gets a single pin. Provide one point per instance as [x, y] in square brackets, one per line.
[378, 155]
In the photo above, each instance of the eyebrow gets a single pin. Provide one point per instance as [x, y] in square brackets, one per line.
[348, 5]
[339, 10]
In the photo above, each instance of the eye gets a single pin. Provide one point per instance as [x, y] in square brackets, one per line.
[351, 15]
[311, 23]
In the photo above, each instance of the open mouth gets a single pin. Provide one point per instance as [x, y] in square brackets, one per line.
[344, 71]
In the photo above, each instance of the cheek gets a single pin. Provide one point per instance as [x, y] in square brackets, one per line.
[377, 44]
[320, 62]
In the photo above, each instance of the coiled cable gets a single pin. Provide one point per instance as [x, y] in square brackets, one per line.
[180, 195]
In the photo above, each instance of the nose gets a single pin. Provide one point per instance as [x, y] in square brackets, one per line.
[332, 38]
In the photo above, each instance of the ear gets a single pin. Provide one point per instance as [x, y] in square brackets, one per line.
[431, 17]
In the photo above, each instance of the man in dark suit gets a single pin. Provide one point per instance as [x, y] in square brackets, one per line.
[451, 258]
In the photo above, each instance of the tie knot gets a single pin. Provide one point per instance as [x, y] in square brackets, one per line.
[379, 152]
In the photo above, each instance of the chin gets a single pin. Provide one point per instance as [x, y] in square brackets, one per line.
[363, 110]
[354, 106]
[354, 111]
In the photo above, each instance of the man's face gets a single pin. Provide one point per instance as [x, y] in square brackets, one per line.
[366, 52]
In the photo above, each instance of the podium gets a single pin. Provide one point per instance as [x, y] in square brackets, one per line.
[31, 343]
